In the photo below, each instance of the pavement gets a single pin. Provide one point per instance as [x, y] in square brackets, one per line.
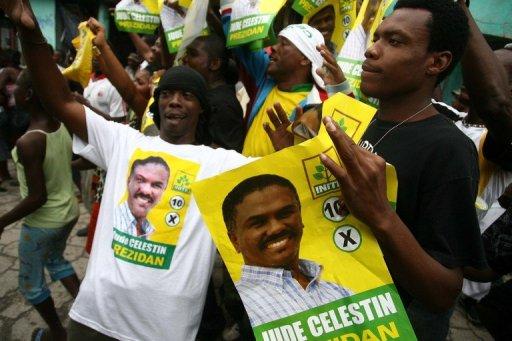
[18, 319]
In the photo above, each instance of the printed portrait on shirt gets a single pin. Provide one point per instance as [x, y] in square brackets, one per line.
[150, 215]
[305, 268]
[146, 183]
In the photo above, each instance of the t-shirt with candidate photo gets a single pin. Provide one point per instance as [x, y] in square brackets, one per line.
[128, 294]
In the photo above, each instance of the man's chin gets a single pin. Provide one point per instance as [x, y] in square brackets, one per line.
[272, 69]
[141, 213]
[368, 91]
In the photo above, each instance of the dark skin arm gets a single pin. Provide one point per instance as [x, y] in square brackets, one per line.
[81, 99]
[487, 84]
[82, 164]
[363, 179]
[47, 78]
[142, 48]
[166, 58]
[115, 71]
[214, 21]
[31, 152]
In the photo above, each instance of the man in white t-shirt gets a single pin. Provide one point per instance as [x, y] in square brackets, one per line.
[134, 288]
[103, 96]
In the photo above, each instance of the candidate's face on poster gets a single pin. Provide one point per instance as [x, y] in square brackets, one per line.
[268, 227]
[145, 187]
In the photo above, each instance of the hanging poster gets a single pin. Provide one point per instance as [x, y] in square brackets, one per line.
[251, 20]
[139, 16]
[333, 18]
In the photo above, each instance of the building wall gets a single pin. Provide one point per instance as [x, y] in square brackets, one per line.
[46, 16]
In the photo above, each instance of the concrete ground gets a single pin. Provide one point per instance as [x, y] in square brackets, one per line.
[18, 319]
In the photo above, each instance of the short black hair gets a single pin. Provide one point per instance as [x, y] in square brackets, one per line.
[157, 160]
[248, 186]
[25, 81]
[215, 47]
[449, 29]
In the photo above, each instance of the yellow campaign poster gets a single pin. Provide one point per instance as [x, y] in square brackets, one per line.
[351, 56]
[150, 215]
[251, 20]
[335, 16]
[305, 268]
[138, 16]
[147, 124]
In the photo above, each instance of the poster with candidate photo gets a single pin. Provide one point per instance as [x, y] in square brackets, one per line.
[305, 268]
[150, 215]
[333, 18]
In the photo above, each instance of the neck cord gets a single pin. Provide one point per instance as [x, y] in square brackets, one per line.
[400, 123]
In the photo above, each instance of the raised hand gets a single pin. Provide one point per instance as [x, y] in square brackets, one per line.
[97, 28]
[281, 137]
[330, 72]
[20, 12]
[362, 177]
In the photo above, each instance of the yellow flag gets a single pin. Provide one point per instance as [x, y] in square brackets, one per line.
[81, 68]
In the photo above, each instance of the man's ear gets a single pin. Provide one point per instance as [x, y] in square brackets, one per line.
[439, 62]
[29, 95]
[234, 240]
[304, 61]
[215, 64]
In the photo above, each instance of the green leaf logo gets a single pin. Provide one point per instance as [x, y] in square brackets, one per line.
[318, 176]
[322, 173]
[183, 181]
[341, 123]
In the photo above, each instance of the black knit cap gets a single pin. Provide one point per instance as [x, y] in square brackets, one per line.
[181, 78]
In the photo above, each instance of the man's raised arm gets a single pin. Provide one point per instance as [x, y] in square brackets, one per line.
[487, 84]
[115, 71]
[51, 87]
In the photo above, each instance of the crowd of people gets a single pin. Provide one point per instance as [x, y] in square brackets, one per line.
[222, 108]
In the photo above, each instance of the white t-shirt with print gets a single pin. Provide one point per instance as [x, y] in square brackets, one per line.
[103, 96]
[132, 302]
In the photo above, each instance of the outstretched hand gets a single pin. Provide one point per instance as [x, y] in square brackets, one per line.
[330, 72]
[20, 12]
[99, 31]
[362, 177]
[281, 137]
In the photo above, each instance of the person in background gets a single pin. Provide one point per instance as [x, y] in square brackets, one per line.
[49, 208]
[208, 56]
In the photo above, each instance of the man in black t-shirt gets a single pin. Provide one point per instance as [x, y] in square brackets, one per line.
[434, 233]
[208, 56]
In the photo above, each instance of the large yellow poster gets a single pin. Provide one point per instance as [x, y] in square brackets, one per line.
[304, 267]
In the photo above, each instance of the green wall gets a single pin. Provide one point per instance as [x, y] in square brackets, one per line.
[46, 16]
[494, 17]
